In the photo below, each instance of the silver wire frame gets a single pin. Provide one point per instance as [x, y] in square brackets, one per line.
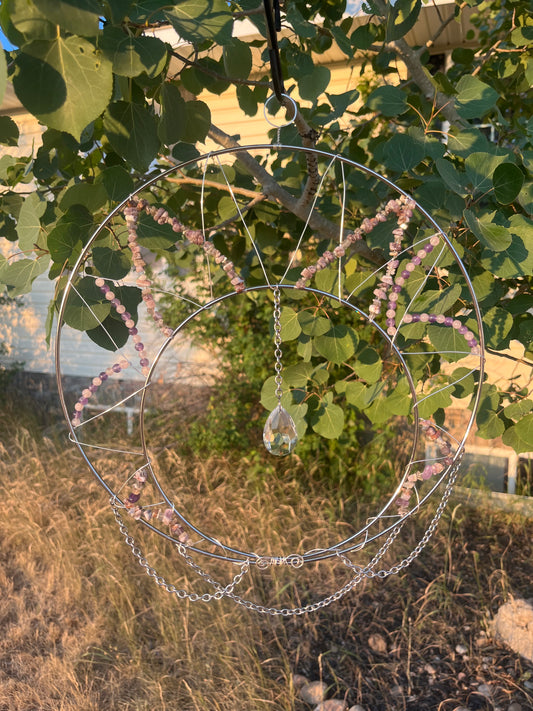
[222, 551]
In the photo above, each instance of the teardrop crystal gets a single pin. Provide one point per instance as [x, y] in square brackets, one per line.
[279, 434]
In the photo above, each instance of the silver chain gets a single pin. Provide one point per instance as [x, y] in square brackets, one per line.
[228, 591]
[277, 342]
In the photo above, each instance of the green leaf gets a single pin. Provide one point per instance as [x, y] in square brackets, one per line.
[342, 40]
[86, 307]
[29, 221]
[297, 375]
[290, 326]
[118, 9]
[436, 399]
[368, 365]
[387, 100]
[431, 146]
[65, 83]
[338, 344]
[117, 183]
[520, 436]
[313, 325]
[132, 132]
[79, 17]
[3, 77]
[111, 263]
[479, 168]
[131, 55]
[435, 301]
[112, 334]
[9, 131]
[199, 20]
[65, 241]
[26, 22]
[467, 141]
[237, 57]
[93, 196]
[453, 179]
[489, 425]
[474, 98]
[401, 18]
[155, 236]
[198, 122]
[356, 394]
[494, 236]
[517, 410]
[312, 85]
[401, 152]
[497, 325]
[507, 180]
[19, 276]
[173, 119]
[448, 341]
[328, 419]
[515, 261]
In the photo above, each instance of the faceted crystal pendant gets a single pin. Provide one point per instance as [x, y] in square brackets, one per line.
[279, 434]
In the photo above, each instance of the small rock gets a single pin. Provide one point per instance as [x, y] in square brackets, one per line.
[513, 625]
[528, 684]
[314, 693]
[356, 708]
[396, 690]
[331, 705]
[429, 669]
[485, 689]
[514, 707]
[461, 649]
[299, 680]
[377, 643]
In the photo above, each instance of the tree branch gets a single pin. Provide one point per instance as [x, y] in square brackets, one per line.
[274, 191]
[444, 24]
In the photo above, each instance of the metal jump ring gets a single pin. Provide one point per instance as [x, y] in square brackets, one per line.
[282, 125]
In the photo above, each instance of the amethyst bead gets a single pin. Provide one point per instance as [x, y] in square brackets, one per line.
[416, 260]
[133, 331]
[448, 321]
[133, 498]
[144, 362]
[396, 289]
[432, 318]
[117, 368]
[139, 346]
[103, 375]
[462, 330]
[405, 274]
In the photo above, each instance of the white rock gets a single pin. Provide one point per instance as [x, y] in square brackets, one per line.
[513, 625]
[514, 707]
[299, 680]
[314, 693]
[485, 689]
[461, 649]
[331, 705]
[377, 643]
[356, 708]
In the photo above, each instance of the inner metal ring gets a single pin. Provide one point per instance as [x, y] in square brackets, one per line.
[347, 544]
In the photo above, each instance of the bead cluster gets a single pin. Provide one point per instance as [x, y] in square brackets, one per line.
[449, 322]
[122, 363]
[402, 208]
[161, 216]
[152, 514]
[445, 460]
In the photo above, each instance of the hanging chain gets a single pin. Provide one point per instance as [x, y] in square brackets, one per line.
[277, 342]
[360, 573]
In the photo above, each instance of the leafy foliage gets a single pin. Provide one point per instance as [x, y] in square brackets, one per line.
[115, 100]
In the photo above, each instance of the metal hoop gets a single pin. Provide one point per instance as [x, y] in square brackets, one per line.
[359, 539]
[287, 123]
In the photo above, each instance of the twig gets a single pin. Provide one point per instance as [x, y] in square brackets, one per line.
[214, 184]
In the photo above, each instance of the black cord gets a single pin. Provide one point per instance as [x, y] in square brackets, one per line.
[273, 20]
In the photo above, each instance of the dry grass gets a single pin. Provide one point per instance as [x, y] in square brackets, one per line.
[83, 628]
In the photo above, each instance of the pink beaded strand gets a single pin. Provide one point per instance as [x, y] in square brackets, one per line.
[437, 467]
